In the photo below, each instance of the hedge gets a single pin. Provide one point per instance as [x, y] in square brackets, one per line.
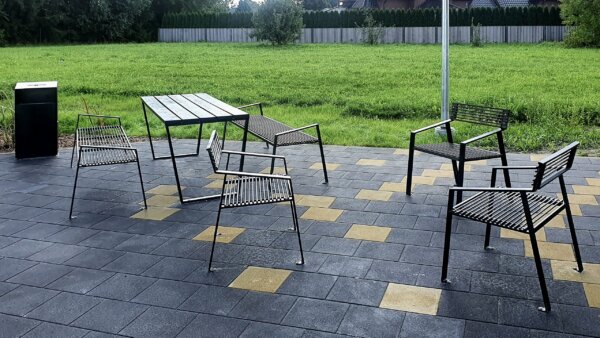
[430, 17]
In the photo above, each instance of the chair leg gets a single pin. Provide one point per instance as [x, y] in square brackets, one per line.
[212, 250]
[74, 188]
[411, 155]
[297, 228]
[461, 179]
[540, 271]
[506, 171]
[199, 139]
[322, 156]
[571, 224]
[73, 151]
[273, 160]
[224, 135]
[447, 238]
[488, 230]
[455, 170]
[141, 181]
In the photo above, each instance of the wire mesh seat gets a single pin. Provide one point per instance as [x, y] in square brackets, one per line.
[278, 134]
[99, 145]
[241, 189]
[520, 209]
[459, 153]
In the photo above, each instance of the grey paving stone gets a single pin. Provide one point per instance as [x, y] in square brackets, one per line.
[133, 263]
[158, 322]
[563, 292]
[57, 253]
[166, 293]
[499, 284]
[181, 230]
[41, 275]
[6, 287]
[580, 320]
[64, 308]
[416, 325]
[490, 330]
[45, 330]
[24, 299]
[357, 217]
[423, 255]
[522, 266]
[94, 258]
[261, 238]
[328, 229]
[214, 326]
[145, 227]
[316, 314]
[25, 213]
[71, 235]
[349, 204]
[357, 291]
[305, 284]
[257, 329]
[346, 266]
[115, 223]
[105, 240]
[173, 268]
[39, 231]
[523, 313]
[410, 236]
[403, 273]
[383, 251]
[321, 334]
[430, 276]
[9, 227]
[470, 306]
[80, 280]
[13, 326]
[384, 207]
[178, 248]
[264, 307]
[23, 248]
[396, 221]
[110, 316]
[421, 210]
[338, 246]
[10, 267]
[122, 287]
[364, 321]
[213, 299]
[289, 241]
[141, 244]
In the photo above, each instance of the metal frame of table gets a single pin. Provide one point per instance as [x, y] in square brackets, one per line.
[190, 109]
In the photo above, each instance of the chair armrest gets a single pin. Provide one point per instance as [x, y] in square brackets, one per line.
[430, 127]
[107, 147]
[297, 129]
[241, 173]
[482, 136]
[100, 116]
[481, 189]
[259, 104]
[252, 154]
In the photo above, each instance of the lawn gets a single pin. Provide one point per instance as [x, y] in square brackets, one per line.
[361, 95]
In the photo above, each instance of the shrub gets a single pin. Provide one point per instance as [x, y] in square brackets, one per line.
[372, 31]
[584, 15]
[7, 121]
[277, 21]
[476, 35]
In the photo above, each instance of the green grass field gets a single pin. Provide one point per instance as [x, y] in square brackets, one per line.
[361, 95]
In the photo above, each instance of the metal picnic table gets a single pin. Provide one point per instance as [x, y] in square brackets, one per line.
[190, 109]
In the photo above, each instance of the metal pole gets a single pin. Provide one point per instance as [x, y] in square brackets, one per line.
[445, 63]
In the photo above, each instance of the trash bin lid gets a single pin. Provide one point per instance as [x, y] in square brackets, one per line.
[36, 85]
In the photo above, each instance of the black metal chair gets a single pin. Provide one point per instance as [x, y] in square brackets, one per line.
[277, 134]
[459, 153]
[102, 145]
[518, 209]
[242, 189]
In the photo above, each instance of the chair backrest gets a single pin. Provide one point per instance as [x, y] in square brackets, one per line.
[214, 150]
[554, 165]
[488, 116]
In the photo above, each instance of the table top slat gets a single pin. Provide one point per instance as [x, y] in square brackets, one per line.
[191, 106]
[177, 109]
[222, 105]
[159, 109]
[203, 104]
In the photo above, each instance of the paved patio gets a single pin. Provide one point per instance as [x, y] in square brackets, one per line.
[373, 255]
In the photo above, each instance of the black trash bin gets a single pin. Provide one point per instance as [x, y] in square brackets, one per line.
[36, 119]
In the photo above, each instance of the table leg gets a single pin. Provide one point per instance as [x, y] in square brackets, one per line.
[244, 139]
[148, 129]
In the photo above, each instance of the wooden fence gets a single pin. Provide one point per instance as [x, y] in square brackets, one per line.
[417, 35]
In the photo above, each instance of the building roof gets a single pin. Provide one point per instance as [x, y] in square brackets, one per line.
[500, 3]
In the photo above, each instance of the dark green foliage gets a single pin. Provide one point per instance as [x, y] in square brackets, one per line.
[246, 6]
[316, 5]
[584, 16]
[430, 17]
[277, 21]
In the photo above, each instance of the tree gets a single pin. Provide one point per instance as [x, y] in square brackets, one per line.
[584, 16]
[278, 21]
[315, 5]
[246, 6]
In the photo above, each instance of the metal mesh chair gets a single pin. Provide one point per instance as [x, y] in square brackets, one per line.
[459, 153]
[277, 134]
[242, 189]
[518, 209]
[102, 145]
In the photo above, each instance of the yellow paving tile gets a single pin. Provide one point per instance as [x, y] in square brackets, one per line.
[394, 186]
[314, 201]
[373, 195]
[369, 162]
[549, 250]
[575, 210]
[164, 190]
[437, 173]
[480, 162]
[368, 233]
[322, 214]
[260, 279]
[421, 180]
[214, 176]
[562, 270]
[411, 299]
[216, 184]
[556, 222]
[161, 201]
[448, 167]
[155, 213]
[401, 152]
[505, 233]
[330, 166]
[586, 190]
[276, 170]
[593, 181]
[225, 234]
[581, 199]
[592, 293]
[538, 157]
